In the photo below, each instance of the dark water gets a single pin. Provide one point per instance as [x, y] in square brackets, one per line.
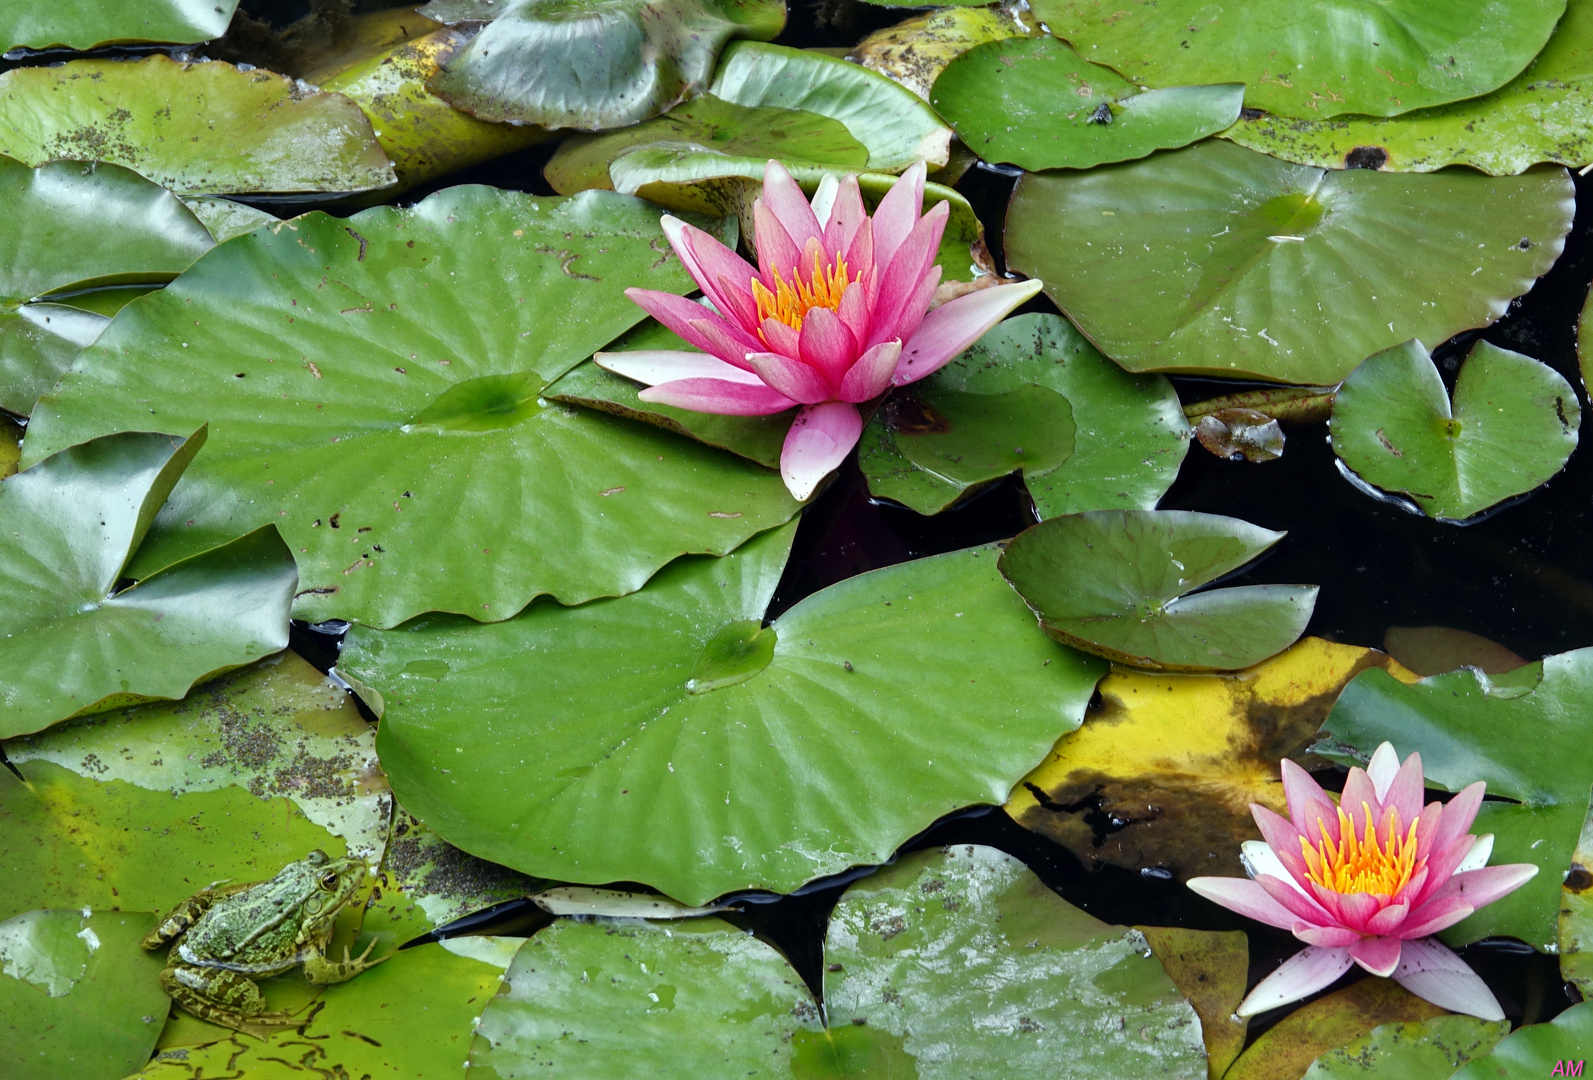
[1521, 575]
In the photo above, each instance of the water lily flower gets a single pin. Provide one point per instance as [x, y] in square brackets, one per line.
[1368, 882]
[835, 313]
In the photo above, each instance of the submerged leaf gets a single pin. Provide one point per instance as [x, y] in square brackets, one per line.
[1031, 396]
[1218, 260]
[1036, 103]
[375, 386]
[74, 641]
[164, 119]
[1119, 584]
[1513, 425]
[1240, 435]
[1433, 650]
[668, 737]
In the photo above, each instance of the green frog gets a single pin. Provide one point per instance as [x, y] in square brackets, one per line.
[229, 934]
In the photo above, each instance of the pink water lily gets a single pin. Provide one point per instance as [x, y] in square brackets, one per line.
[836, 313]
[1368, 882]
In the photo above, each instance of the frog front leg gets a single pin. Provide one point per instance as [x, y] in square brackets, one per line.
[220, 996]
[318, 969]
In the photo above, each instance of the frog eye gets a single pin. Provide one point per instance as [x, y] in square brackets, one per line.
[329, 880]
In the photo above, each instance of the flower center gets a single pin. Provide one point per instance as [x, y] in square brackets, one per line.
[789, 303]
[1364, 864]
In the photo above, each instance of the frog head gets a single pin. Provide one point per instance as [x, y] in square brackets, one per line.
[325, 886]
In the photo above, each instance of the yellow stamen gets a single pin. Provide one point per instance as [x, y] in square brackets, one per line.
[790, 303]
[1362, 864]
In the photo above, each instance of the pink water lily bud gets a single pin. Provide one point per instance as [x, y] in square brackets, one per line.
[835, 314]
[1369, 881]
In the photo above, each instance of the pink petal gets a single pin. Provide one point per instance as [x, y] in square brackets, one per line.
[1480, 888]
[1427, 827]
[827, 345]
[854, 311]
[738, 304]
[708, 261]
[906, 270]
[727, 341]
[820, 438]
[1282, 839]
[951, 328]
[1246, 897]
[1328, 937]
[654, 366]
[1301, 906]
[1308, 803]
[678, 314]
[860, 260]
[1433, 916]
[793, 378]
[776, 250]
[871, 375]
[1383, 767]
[1356, 909]
[1359, 799]
[917, 305]
[1302, 975]
[781, 338]
[1388, 920]
[847, 213]
[1459, 813]
[897, 213]
[718, 396]
[1430, 971]
[1442, 865]
[1404, 792]
[1378, 955]
[789, 206]
[1412, 892]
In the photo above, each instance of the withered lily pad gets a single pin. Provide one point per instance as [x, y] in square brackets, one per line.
[375, 389]
[668, 737]
[1289, 1048]
[1118, 583]
[917, 49]
[1032, 396]
[1513, 425]
[75, 640]
[1217, 260]
[165, 119]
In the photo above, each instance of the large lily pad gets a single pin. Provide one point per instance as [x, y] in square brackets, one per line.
[917, 49]
[586, 65]
[83, 24]
[668, 737]
[375, 386]
[142, 807]
[1543, 114]
[1379, 59]
[78, 997]
[1114, 583]
[1176, 760]
[1219, 260]
[1031, 396]
[1287, 1049]
[1527, 743]
[1513, 425]
[1412, 1051]
[71, 226]
[950, 964]
[74, 642]
[1537, 1049]
[165, 119]
[896, 127]
[1038, 104]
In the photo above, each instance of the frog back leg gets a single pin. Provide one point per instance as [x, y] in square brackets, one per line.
[222, 997]
[184, 915]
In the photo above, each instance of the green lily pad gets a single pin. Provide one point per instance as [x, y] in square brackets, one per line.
[590, 65]
[1218, 260]
[225, 218]
[1031, 396]
[1513, 425]
[1378, 59]
[1114, 583]
[408, 1017]
[374, 385]
[756, 438]
[1526, 742]
[952, 963]
[916, 50]
[701, 181]
[1286, 1050]
[72, 226]
[114, 802]
[896, 127]
[83, 24]
[582, 161]
[1543, 114]
[668, 737]
[78, 997]
[1414, 1051]
[1575, 937]
[74, 643]
[384, 70]
[1537, 1049]
[1036, 103]
[164, 119]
